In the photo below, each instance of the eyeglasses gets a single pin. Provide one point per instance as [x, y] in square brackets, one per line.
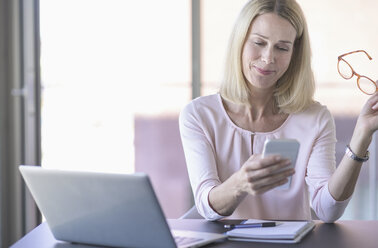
[365, 84]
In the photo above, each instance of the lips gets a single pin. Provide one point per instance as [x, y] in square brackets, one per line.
[263, 71]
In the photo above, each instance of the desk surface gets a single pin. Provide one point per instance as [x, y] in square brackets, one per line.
[340, 234]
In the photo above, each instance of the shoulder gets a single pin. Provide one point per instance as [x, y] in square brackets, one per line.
[315, 110]
[205, 101]
[201, 106]
[316, 115]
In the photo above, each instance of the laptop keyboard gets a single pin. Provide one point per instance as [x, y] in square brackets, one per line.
[182, 240]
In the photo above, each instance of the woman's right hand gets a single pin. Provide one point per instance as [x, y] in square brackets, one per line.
[258, 174]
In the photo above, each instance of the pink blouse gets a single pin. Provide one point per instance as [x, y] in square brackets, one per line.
[215, 148]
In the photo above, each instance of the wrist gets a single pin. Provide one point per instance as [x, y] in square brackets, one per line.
[360, 141]
[238, 190]
[362, 131]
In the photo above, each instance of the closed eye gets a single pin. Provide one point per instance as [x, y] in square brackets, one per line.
[283, 49]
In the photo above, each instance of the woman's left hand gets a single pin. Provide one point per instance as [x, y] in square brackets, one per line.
[368, 119]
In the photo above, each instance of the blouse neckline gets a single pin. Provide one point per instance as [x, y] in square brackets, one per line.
[244, 130]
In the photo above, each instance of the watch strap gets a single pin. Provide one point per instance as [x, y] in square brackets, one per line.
[352, 155]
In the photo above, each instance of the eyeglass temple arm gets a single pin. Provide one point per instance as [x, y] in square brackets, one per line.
[357, 51]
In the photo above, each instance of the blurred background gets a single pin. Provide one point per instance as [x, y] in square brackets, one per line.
[114, 75]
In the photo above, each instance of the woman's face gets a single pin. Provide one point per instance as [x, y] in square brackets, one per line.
[267, 50]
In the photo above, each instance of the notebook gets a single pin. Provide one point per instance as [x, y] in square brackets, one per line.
[105, 209]
[284, 232]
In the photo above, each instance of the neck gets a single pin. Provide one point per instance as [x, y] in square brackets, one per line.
[262, 104]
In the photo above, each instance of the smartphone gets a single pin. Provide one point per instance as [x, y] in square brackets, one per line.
[287, 148]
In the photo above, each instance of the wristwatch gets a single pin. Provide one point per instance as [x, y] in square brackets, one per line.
[353, 156]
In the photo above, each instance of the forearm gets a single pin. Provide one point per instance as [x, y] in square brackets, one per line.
[225, 198]
[343, 181]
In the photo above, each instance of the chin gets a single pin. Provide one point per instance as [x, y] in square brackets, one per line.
[262, 84]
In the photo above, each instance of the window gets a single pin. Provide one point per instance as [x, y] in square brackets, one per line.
[115, 75]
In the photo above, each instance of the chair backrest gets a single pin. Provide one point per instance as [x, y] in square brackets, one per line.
[192, 213]
[313, 215]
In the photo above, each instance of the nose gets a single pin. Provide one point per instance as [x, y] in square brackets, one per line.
[267, 55]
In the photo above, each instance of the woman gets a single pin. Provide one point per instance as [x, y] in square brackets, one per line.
[267, 93]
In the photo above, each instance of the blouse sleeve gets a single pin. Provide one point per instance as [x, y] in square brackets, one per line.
[321, 166]
[200, 160]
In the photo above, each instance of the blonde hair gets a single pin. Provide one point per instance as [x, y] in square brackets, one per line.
[295, 89]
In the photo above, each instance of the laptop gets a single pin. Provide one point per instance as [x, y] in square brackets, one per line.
[105, 209]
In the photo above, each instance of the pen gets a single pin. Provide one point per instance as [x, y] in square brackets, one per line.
[252, 225]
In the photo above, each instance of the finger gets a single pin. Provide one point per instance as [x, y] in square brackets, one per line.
[375, 106]
[273, 179]
[373, 101]
[270, 187]
[259, 163]
[274, 169]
